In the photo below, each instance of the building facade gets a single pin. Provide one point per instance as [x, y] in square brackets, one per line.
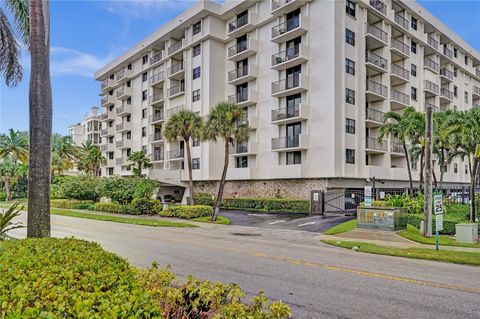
[314, 78]
[88, 129]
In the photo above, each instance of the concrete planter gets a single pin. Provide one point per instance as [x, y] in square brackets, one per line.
[382, 218]
[466, 233]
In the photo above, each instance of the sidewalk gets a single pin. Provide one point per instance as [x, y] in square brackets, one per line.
[387, 239]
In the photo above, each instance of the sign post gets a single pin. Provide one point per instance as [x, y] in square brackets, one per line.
[367, 193]
[438, 211]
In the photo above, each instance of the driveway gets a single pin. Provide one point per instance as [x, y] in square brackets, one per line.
[310, 223]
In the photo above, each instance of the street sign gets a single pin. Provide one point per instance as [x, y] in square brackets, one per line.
[438, 204]
[367, 193]
[439, 222]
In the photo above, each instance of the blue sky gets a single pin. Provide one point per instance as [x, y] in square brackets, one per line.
[88, 34]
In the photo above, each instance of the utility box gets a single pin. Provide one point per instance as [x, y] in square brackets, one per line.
[466, 233]
[382, 218]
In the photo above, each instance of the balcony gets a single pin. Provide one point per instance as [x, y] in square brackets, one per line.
[120, 161]
[125, 126]
[396, 149]
[243, 74]
[447, 53]
[156, 117]
[107, 116]
[157, 156]
[172, 111]
[375, 64]
[290, 143]
[375, 91]
[244, 149]
[157, 78]
[242, 25]
[476, 92]
[175, 91]
[401, 21]
[156, 98]
[291, 114]
[398, 74]
[175, 155]
[104, 147]
[290, 85]
[123, 110]
[376, 37]
[175, 47]
[477, 72]
[155, 137]
[430, 88]
[290, 57]
[107, 84]
[124, 144]
[290, 29]
[432, 65]
[373, 146]
[107, 100]
[123, 75]
[109, 131]
[176, 71]
[242, 50]
[157, 57]
[446, 74]
[399, 100]
[432, 46]
[373, 118]
[446, 95]
[281, 7]
[400, 49]
[124, 93]
[379, 6]
[434, 107]
[244, 98]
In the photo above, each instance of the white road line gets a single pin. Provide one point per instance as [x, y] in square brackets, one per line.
[277, 221]
[310, 223]
[258, 215]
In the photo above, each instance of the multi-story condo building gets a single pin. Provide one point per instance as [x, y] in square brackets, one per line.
[88, 129]
[314, 77]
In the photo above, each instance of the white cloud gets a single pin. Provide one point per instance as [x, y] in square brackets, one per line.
[65, 61]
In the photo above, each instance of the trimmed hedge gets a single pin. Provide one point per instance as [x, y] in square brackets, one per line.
[141, 206]
[111, 207]
[449, 223]
[71, 204]
[267, 204]
[182, 211]
[204, 199]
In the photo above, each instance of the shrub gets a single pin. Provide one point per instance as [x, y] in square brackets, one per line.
[80, 188]
[449, 222]
[3, 196]
[204, 199]
[70, 204]
[182, 211]
[396, 200]
[125, 189]
[112, 207]
[141, 206]
[267, 204]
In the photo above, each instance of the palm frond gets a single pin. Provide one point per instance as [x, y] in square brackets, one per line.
[20, 11]
[9, 53]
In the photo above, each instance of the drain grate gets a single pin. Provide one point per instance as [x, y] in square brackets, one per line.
[245, 234]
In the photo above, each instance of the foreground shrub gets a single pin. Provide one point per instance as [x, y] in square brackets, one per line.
[125, 189]
[449, 223]
[80, 188]
[267, 204]
[204, 199]
[142, 206]
[71, 204]
[181, 211]
[112, 207]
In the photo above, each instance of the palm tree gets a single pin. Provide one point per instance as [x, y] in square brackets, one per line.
[441, 140]
[7, 176]
[10, 47]
[63, 150]
[399, 126]
[140, 161]
[91, 158]
[224, 122]
[187, 125]
[14, 145]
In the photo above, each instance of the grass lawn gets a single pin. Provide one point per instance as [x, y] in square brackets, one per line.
[457, 257]
[342, 228]
[207, 219]
[413, 234]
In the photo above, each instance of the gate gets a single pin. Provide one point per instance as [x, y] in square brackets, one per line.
[340, 201]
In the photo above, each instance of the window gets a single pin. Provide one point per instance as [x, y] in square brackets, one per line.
[144, 113]
[455, 71]
[197, 27]
[110, 171]
[350, 8]
[196, 142]
[466, 169]
[350, 37]
[129, 66]
[455, 91]
[129, 151]
[350, 156]
[129, 84]
[413, 47]
[466, 60]
[145, 59]
[413, 23]
[195, 163]
[413, 93]
[110, 139]
[413, 70]
[144, 131]
[241, 162]
[144, 95]
[128, 118]
[128, 135]
[466, 97]
[196, 50]
[455, 168]
[350, 96]
[110, 155]
[350, 126]
[349, 66]
[196, 95]
[196, 73]
[129, 101]
[294, 158]
[144, 77]
[455, 52]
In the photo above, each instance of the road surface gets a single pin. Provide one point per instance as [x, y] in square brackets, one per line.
[317, 280]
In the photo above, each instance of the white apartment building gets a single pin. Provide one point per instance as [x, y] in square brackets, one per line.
[314, 77]
[88, 129]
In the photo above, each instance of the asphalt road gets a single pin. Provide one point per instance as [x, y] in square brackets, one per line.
[317, 280]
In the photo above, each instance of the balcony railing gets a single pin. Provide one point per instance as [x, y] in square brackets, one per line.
[376, 88]
[376, 60]
[123, 126]
[157, 57]
[156, 97]
[400, 97]
[431, 64]
[155, 137]
[120, 161]
[397, 148]
[477, 72]
[448, 53]
[103, 116]
[241, 148]
[432, 42]
[286, 142]
[377, 33]
[379, 5]
[287, 26]
[179, 88]
[237, 24]
[123, 109]
[285, 113]
[104, 147]
[400, 46]
[290, 82]
[157, 156]
[239, 97]
[287, 55]
[476, 90]
[238, 73]
[446, 93]
[107, 99]
[175, 154]
[372, 143]
[174, 47]
[374, 115]
[175, 68]
[239, 47]
[157, 116]
[124, 73]
[446, 73]
[123, 143]
[157, 77]
[401, 21]
[430, 86]
[401, 72]
[107, 83]
[174, 110]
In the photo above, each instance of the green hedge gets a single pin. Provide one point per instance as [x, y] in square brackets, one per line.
[146, 206]
[71, 204]
[267, 204]
[182, 211]
[449, 223]
[204, 199]
[111, 207]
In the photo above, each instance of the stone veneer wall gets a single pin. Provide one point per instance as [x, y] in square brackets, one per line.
[278, 188]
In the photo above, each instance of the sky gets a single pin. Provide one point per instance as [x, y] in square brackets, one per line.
[86, 35]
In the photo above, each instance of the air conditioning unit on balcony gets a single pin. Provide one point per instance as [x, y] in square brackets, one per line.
[282, 30]
[279, 60]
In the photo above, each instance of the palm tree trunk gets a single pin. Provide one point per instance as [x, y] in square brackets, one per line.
[40, 98]
[442, 168]
[473, 172]
[8, 190]
[422, 168]
[409, 169]
[222, 182]
[427, 207]
[190, 177]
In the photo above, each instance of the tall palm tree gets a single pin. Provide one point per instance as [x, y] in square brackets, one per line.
[441, 140]
[10, 47]
[91, 158]
[40, 97]
[140, 161]
[63, 150]
[224, 123]
[7, 176]
[15, 145]
[187, 125]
